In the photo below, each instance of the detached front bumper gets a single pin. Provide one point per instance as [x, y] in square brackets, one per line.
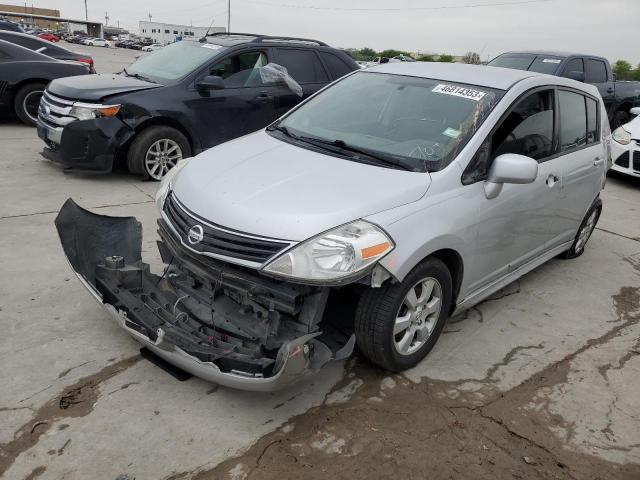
[626, 158]
[223, 324]
[87, 146]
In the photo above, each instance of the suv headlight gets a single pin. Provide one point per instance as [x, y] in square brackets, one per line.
[165, 183]
[88, 111]
[621, 136]
[334, 255]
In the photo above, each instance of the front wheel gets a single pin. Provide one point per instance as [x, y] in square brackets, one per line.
[156, 150]
[587, 227]
[397, 325]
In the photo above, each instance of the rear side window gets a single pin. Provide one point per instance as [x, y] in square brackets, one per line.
[592, 121]
[573, 120]
[574, 65]
[337, 67]
[303, 65]
[595, 71]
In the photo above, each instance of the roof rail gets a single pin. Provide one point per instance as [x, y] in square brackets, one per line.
[266, 38]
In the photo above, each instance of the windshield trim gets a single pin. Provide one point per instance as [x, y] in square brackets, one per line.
[442, 163]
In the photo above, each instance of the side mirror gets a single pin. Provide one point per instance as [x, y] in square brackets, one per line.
[509, 168]
[211, 82]
[578, 76]
[635, 111]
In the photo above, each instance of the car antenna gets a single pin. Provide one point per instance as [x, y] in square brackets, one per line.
[204, 39]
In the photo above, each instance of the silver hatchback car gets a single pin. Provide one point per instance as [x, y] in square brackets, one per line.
[389, 201]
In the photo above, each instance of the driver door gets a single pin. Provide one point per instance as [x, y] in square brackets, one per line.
[245, 105]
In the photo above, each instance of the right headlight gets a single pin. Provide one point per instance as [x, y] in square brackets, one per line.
[335, 255]
[621, 136]
[165, 183]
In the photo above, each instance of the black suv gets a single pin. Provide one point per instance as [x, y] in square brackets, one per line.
[180, 100]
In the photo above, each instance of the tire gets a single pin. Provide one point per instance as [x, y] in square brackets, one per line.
[587, 226]
[24, 100]
[619, 118]
[381, 310]
[150, 144]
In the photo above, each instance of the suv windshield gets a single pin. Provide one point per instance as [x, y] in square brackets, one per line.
[415, 123]
[173, 61]
[527, 61]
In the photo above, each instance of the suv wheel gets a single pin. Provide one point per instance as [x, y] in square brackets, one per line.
[398, 324]
[587, 227]
[619, 118]
[27, 102]
[157, 150]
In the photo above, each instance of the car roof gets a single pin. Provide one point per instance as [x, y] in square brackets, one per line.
[549, 53]
[492, 77]
[25, 53]
[232, 39]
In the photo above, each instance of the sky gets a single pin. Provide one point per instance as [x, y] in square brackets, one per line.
[601, 27]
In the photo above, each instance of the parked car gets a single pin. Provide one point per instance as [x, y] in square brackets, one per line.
[625, 149]
[24, 74]
[181, 100]
[619, 97]
[414, 190]
[152, 47]
[99, 42]
[46, 48]
[10, 26]
[50, 37]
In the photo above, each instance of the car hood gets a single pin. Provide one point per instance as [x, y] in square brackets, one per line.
[95, 87]
[260, 185]
[633, 127]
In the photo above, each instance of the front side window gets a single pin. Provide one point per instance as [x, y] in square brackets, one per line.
[417, 123]
[574, 65]
[241, 70]
[174, 61]
[573, 120]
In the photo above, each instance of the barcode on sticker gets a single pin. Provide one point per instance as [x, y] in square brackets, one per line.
[463, 92]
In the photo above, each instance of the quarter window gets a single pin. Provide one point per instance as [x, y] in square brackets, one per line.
[573, 120]
[241, 70]
[592, 121]
[596, 71]
[303, 65]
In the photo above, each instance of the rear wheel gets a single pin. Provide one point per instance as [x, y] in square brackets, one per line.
[398, 324]
[619, 118]
[27, 102]
[156, 150]
[587, 227]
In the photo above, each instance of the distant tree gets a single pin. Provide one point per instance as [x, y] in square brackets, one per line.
[623, 70]
[426, 58]
[390, 53]
[446, 58]
[472, 58]
[636, 73]
[367, 53]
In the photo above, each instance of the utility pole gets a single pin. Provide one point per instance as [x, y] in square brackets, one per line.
[228, 16]
[150, 16]
[86, 12]
[106, 18]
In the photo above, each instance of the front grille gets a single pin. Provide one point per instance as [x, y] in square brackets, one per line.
[221, 241]
[54, 111]
[623, 160]
[636, 161]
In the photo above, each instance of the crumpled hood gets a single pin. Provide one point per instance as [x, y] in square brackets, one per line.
[93, 88]
[258, 184]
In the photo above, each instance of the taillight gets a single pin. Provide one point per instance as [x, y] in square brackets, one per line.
[86, 60]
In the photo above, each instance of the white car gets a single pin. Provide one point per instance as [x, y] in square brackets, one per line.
[99, 42]
[151, 48]
[625, 148]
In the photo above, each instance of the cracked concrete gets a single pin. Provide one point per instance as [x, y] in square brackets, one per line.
[539, 381]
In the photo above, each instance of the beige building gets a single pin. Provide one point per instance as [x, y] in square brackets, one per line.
[31, 10]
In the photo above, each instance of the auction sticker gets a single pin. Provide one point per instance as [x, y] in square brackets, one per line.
[551, 60]
[463, 92]
[212, 46]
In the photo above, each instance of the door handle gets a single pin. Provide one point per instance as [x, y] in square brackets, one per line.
[552, 180]
[610, 90]
[597, 161]
[264, 97]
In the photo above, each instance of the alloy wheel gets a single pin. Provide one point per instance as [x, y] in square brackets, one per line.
[417, 316]
[161, 157]
[31, 103]
[586, 231]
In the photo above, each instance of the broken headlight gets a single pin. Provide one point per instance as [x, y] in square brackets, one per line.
[337, 254]
[621, 136]
[89, 111]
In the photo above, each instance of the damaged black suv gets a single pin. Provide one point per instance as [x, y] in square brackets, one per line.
[180, 100]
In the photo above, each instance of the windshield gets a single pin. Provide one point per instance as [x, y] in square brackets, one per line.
[417, 123]
[528, 61]
[173, 61]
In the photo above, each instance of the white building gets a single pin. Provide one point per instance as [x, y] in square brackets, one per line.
[168, 32]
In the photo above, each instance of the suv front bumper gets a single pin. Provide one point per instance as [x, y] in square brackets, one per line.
[230, 339]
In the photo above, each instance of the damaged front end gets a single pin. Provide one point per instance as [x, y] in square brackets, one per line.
[223, 323]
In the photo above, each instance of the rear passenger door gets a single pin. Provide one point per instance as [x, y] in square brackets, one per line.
[305, 67]
[581, 155]
[596, 74]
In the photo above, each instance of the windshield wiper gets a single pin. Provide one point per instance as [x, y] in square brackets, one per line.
[137, 75]
[342, 145]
